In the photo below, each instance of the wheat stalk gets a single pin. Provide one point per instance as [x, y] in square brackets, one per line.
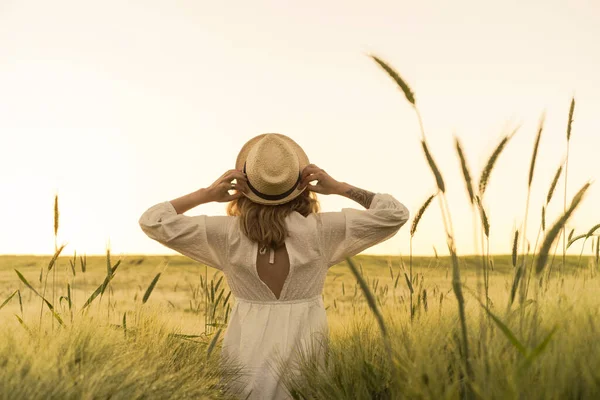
[396, 77]
[569, 127]
[535, 149]
[556, 228]
[487, 171]
[419, 214]
[514, 248]
[445, 217]
[465, 170]
[524, 287]
[436, 172]
[553, 184]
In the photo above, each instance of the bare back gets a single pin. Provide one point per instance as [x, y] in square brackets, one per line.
[273, 267]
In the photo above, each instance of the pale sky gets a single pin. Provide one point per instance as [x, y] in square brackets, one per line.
[120, 105]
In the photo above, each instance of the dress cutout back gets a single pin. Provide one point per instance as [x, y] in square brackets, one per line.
[273, 267]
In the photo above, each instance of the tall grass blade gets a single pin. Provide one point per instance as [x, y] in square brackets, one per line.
[409, 283]
[457, 288]
[227, 312]
[56, 215]
[100, 289]
[24, 325]
[218, 284]
[535, 150]
[219, 297]
[213, 343]
[514, 248]
[507, 332]
[515, 285]
[585, 236]
[465, 171]
[544, 219]
[535, 353]
[396, 77]
[74, 262]
[83, 260]
[574, 239]
[553, 184]
[226, 299]
[434, 168]
[592, 230]
[50, 306]
[26, 282]
[55, 257]
[20, 301]
[150, 288]
[108, 263]
[487, 171]
[369, 296]
[8, 299]
[484, 218]
[556, 228]
[419, 214]
[570, 123]
[571, 235]
[69, 296]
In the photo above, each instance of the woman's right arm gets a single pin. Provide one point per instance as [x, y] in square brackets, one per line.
[361, 196]
[350, 231]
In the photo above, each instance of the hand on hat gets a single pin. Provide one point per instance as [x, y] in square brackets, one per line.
[325, 185]
[219, 190]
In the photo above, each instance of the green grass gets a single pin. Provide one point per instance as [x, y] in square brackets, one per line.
[93, 357]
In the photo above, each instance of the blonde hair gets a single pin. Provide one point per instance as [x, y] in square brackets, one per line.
[265, 224]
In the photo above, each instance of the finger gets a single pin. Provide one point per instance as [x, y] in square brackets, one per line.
[309, 169]
[234, 174]
[312, 177]
[241, 186]
[226, 173]
[315, 188]
[304, 182]
[309, 178]
[234, 196]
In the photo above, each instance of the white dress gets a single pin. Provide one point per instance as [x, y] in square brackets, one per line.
[264, 331]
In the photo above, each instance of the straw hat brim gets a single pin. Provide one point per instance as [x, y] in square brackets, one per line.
[243, 155]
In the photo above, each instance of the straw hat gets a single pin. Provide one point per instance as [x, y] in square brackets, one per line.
[273, 164]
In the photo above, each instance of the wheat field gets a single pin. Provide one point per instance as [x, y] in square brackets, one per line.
[519, 326]
[162, 349]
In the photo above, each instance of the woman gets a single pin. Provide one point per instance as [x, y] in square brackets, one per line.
[274, 249]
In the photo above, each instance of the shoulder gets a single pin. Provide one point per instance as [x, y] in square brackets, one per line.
[297, 221]
[219, 224]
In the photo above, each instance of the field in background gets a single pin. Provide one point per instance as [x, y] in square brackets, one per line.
[97, 355]
[180, 290]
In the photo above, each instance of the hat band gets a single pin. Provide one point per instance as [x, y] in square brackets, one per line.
[272, 196]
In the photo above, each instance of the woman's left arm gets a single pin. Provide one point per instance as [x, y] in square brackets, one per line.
[218, 191]
[202, 238]
[191, 200]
